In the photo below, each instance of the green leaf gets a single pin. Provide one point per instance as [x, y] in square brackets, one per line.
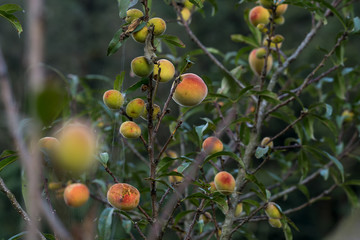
[123, 7]
[287, 231]
[356, 25]
[104, 158]
[225, 153]
[115, 42]
[137, 85]
[222, 203]
[7, 157]
[119, 81]
[352, 196]
[244, 39]
[260, 185]
[260, 152]
[337, 163]
[304, 163]
[198, 3]
[127, 224]
[13, 20]
[309, 127]
[10, 8]
[201, 225]
[333, 10]
[353, 182]
[181, 215]
[172, 40]
[18, 236]
[104, 224]
[200, 130]
[267, 95]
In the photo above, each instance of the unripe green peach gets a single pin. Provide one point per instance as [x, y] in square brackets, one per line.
[191, 91]
[272, 44]
[186, 15]
[130, 129]
[123, 196]
[267, 3]
[133, 14]
[272, 210]
[167, 70]
[77, 148]
[159, 25]
[259, 15]
[141, 67]
[257, 64]
[76, 195]
[279, 20]
[175, 179]
[261, 53]
[49, 144]
[205, 217]
[276, 223]
[135, 108]
[224, 182]
[140, 36]
[238, 209]
[281, 9]
[156, 111]
[265, 142]
[347, 115]
[212, 186]
[212, 145]
[113, 99]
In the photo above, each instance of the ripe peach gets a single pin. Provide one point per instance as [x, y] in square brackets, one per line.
[156, 111]
[257, 64]
[135, 108]
[123, 196]
[238, 209]
[276, 223]
[130, 129]
[140, 36]
[281, 9]
[76, 194]
[133, 14]
[347, 115]
[48, 144]
[265, 142]
[159, 25]
[167, 70]
[113, 99]
[77, 148]
[259, 15]
[175, 179]
[191, 91]
[224, 182]
[186, 15]
[141, 67]
[212, 145]
[272, 210]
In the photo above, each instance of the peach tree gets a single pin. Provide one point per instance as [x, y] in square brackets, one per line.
[165, 151]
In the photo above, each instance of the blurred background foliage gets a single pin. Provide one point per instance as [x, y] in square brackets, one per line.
[77, 36]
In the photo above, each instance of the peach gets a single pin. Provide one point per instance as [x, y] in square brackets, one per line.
[140, 36]
[267, 3]
[257, 64]
[175, 179]
[224, 182]
[113, 99]
[54, 185]
[170, 153]
[279, 20]
[141, 66]
[212, 186]
[159, 25]
[77, 148]
[281, 9]
[265, 142]
[259, 15]
[156, 111]
[76, 194]
[238, 209]
[191, 91]
[275, 41]
[347, 115]
[135, 108]
[205, 217]
[123, 196]
[272, 210]
[185, 14]
[130, 129]
[133, 14]
[212, 145]
[167, 70]
[48, 144]
[276, 223]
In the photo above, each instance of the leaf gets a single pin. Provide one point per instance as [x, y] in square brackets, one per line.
[104, 158]
[225, 153]
[260, 185]
[10, 8]
[13, 20]
[181, 215]
[173, 40]
[137, 85]
[260, 152]
[201, 225]
[119, 81]
[287, 231]
[198, 3]
[267, 95]
[115, 43]
[352, 196]
[244, 39]
[309, 127]
[337, 163]
[104, 224]
[123, 7]
[353, 182]
[333, 10]
[18, 236]
[324, 173]
[127, 224]
[200, 130]
[356, 25]
[222, 204]
[7, 157]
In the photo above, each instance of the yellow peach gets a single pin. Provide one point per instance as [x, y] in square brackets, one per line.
[175, 179]
[159, 25]
[135, 108]
[272, 210]
[276, 223]
[212, 145]
[265, 142]
[185, 14]
[76, 194]
[156, 111]
[141, 66]
[133, 14]
[140, 36]
[166, 68]
[113, 99]
[123, 196]
[257, 64]
[224, 182]
[130, 129]
[281, 9]
[259, 15]
[238, 209]
[49, 144]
